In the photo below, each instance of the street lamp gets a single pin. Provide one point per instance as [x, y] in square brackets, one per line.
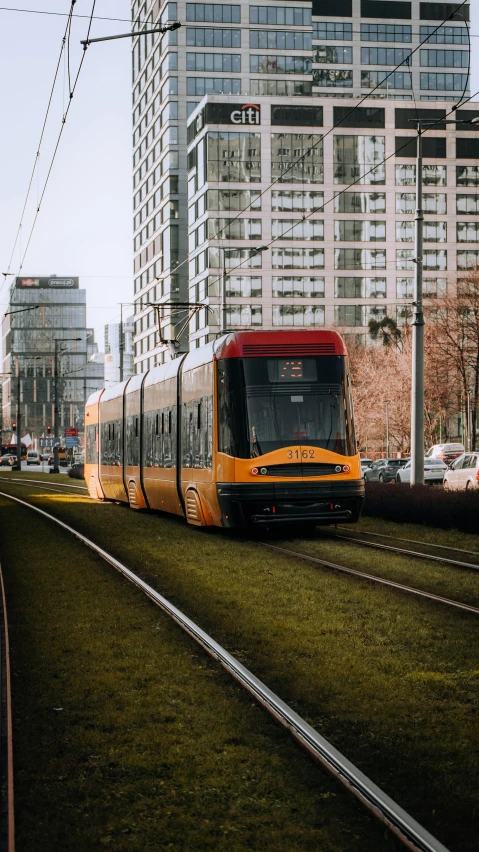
[56, 425]
[18, 463]
[417, 383]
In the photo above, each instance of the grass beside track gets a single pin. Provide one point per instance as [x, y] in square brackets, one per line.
[391, 680]
[128, 737]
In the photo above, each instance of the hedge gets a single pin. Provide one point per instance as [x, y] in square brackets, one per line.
[423, 504]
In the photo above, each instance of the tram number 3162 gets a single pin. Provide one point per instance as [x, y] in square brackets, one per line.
[303, 454]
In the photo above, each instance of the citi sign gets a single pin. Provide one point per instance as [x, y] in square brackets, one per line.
[247, 114]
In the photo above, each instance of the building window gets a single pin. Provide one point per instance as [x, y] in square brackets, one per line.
[287, 88]
[298, 286]
[405, 202]
[298, 315]
[405, 232]
[354, 159]
[351, 258]
[297, 157]
[444, 35]
[467, 175]
[247, 258]
[435, 232]
[445, 58]
[403, 315]
[243, 315]
[386, 32]
[347, 287]
[271, 64]
[432, 287]
[360, 202]
[243, 286]
[357, 315]
[335, 32]
[384, 55]
[404, 288]
[279, 40]
[213, 85]
[213, 12]
[431, 175]
[234, 229]
[234, 156]
[291, 200]
[297, 229]
[445, 82]
[467, 204]
[297, 258]
[435, 259]
[212, 37]
[468, 260]
[404, 259]
[326, 54]
[328, 77]
[467, 232]
[233, 199]
[280, 15]
[361, 231]
[223, 63]
[386, 80]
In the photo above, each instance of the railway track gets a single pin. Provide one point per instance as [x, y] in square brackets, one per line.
[382, 581]
[412, 553]
[344, 569]
[406, 828]
[6, 751]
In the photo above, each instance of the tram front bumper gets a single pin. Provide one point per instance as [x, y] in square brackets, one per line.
[243, 504]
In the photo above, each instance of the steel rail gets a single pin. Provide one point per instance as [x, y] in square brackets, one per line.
[402, 551]
[47, 487]
[415, 541]
[373, 578]
[405, 827]
[47, 482]
[7, 821]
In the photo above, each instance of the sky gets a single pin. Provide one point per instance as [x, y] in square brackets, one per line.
[84, 226]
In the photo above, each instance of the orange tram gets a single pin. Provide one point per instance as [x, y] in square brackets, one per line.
[255, 428]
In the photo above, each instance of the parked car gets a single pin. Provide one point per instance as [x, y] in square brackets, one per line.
[383, 470]
[365, 463]
[446, 452]
[33, 457]
[77, 470]
[463, 473]
[433, 471]
[8, 460]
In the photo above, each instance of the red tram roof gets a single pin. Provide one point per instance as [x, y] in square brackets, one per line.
[254, 344]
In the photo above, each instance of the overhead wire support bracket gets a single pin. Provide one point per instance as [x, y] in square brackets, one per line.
[86, 42]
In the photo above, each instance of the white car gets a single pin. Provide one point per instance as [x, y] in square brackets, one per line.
[33, 457]
[433, 471]
[463, 473]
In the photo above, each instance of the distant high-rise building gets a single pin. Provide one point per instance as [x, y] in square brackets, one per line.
[44, 332]
[303, 52]
[116, 368]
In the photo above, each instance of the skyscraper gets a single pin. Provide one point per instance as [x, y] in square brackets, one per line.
[47, 346]
[293, 52]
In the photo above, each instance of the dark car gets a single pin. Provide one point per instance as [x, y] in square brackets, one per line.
[8, 460]
[77, 470]
[383, 470]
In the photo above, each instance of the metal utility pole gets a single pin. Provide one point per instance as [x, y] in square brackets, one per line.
[223, 292]
[18, 463]
[121, 341]
[387, 430]
[56, 412]
[417, 385]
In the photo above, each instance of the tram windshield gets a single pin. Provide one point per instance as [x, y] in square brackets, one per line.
[269, 403]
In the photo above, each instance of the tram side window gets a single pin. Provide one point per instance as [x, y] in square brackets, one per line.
[160, 438]
[198, 433]
[231, 408]
[91, 455]
[111, 443]
[132, 440]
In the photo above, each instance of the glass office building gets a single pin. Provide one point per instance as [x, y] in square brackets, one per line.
[326, 51]
[45, 330]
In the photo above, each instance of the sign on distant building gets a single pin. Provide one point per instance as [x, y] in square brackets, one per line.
[52, 283]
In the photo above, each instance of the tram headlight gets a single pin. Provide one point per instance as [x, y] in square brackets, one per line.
[346, 468]
[254, 471]
[263, 471]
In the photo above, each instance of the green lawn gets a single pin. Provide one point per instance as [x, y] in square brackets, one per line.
[391, 680]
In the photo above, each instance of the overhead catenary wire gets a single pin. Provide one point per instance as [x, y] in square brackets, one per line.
[37, 155]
